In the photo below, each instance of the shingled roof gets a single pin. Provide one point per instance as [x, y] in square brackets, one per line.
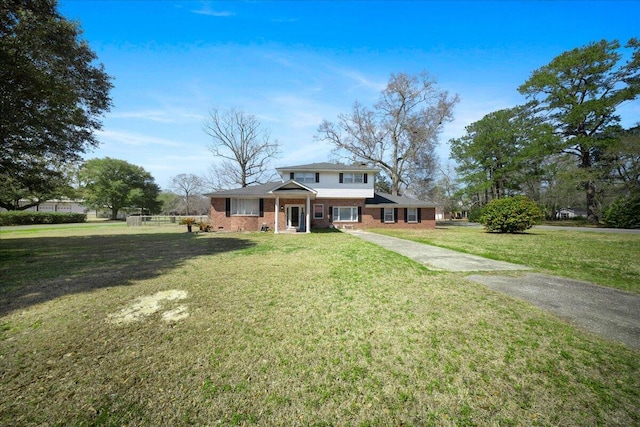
[333, 167]
[249, 191]
[384, 200]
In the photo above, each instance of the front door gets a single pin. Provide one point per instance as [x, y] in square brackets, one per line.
[295, 216]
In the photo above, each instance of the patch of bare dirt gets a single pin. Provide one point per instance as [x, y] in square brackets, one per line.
[150, 304]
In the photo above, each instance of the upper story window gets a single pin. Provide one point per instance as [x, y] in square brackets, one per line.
[305, 177]
[353, 178]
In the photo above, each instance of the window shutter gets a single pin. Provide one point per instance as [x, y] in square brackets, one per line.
[317, 177]
[382, 215]
[395, 214]
[366, 178]
[406, 212]
[341, 178]
[419, 214]
[330, 213]
[261, 207]
[359, 213]
[227, 207]
[291, 175]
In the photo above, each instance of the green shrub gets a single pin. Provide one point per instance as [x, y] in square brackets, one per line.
[32, 217]
[474, 214]
[624, 213]
[510, 215]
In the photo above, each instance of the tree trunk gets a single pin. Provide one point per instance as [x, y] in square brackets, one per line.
[590, 188]
[395, 184]
[589, 185]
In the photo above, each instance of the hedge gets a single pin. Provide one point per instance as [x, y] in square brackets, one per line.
[32, 217]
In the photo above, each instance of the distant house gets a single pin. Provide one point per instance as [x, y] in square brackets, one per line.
[55, 205]
[69, 206]
[318, 195]
[570, 213]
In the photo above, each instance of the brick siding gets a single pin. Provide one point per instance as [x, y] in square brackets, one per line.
[370, 216]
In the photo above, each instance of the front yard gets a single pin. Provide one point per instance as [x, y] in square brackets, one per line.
[149, 326]
[608, 259]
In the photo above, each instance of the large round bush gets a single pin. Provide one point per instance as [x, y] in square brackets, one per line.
[624, 213]
[510, 215]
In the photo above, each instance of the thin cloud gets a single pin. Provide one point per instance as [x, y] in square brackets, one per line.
[217, 13]
[152, 115]
[135, 139]
[160, 116]
[361, 80]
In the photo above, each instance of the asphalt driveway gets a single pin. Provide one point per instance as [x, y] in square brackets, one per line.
[611, 313]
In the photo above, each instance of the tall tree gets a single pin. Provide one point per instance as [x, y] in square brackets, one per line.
[243, 144]
[400, 133]
[578, 93]
[501, 152]
[52, 95]
[441, 189]
[623, 160]
[170, 202]
[187, 185]
[117, 184]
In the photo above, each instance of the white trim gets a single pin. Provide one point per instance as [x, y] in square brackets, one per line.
[393, 216]
[277, 214]
[336, 218]
[321, 213]
[414, 221]
[352, 177]
[301, 188]
[236, 200]
[307, 216]
[287, 210]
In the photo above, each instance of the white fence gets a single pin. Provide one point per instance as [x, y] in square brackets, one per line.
[134, 221]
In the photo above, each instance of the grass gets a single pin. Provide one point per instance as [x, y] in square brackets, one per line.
[609, 259]
[311, 330]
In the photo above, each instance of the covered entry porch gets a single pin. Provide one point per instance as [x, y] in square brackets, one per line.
[293, 207]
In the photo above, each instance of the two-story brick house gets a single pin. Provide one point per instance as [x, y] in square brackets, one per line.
[318, 195]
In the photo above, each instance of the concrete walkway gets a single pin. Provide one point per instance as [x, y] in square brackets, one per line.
[610, 313]
[434, 257]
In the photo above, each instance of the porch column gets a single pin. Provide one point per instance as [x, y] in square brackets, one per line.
[277, 209]
[308, 217]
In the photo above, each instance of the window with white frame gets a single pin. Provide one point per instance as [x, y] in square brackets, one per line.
[412, 214]
[388, 215]
[245, 207]
[318, 211]
[353, 178]
[345, 214]
[308, 177]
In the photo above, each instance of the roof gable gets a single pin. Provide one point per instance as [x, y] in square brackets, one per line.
[291, 186]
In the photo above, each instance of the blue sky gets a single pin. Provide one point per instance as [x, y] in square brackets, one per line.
[294, 64]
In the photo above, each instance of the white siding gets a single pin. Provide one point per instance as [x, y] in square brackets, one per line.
[329, 186]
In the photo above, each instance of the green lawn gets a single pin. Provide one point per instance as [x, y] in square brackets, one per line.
[609, 259]
[311, 330]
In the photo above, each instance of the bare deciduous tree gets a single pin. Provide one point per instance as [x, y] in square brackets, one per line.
[187, 185]
[400, 133]
[244, 145]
